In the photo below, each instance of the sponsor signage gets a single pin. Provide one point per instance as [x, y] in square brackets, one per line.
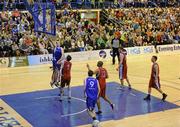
[10, 118]
[133, 50]
[40, 59]
[148, 50]
[81, 56]
[18, 61]
[166, 48]
[86, 55]
[4, 62]
[102, 54]
[177, 47]
[6, 120]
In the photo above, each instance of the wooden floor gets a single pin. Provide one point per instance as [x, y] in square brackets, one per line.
[26, 79]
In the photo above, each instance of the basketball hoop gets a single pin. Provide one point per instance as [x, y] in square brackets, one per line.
[43, 14]
[6, 2]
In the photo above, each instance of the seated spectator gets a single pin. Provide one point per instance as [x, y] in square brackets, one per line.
[24, 48]
[42, 47]
[101, 42]
[4, 16]
[14, 49]
[16, 13]
[80, 44]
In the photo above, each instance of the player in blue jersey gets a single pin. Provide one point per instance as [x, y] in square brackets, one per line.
[91, 92]
[57, 61]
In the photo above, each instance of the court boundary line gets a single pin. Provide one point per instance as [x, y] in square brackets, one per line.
[71, 114]
[163, 81]
[132, 94]
[46, 97]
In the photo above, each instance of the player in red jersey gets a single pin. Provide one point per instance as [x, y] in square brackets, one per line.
[122, 67]
[101, 75]
[154, 80]
[66, 76]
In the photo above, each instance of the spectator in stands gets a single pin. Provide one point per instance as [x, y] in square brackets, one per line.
[15, 13]
[15, 49]
[138, 27]
[4, 16]
[89, 43]
[101, 42]
[24, 48]
[80, 44]
[42, 47]
[35, 49]
[50, 46]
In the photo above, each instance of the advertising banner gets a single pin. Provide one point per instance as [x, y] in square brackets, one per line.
[40, 59]
[147, 49]
[167, 48]
[18, 61]
[4, 61]
[87, 55]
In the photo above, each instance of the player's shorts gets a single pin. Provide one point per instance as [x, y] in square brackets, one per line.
[90, 103]
[56, 65]
[65, 82]
[122, 72]
[102, 92]
[153, 84]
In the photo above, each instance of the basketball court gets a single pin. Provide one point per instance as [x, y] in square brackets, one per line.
[28, 100]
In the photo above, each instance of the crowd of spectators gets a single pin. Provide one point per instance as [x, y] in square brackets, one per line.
[139, 27]
[78, 4]
[147, 26]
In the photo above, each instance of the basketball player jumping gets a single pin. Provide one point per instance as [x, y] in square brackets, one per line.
[154, 80]
[91, 92]
[122, 67]
[58, 56]
[102, 75]
[66, 76]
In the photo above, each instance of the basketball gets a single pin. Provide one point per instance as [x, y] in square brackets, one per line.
[95, 123]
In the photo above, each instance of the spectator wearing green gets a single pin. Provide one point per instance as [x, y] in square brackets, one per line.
[101, 43]
[123, 38]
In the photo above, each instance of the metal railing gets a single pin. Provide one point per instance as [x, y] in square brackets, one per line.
[104, 14]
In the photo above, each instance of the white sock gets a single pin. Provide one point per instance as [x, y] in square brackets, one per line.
[69, 92]
[61, 91]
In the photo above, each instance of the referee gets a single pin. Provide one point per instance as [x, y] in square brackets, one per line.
[115, 49]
